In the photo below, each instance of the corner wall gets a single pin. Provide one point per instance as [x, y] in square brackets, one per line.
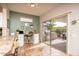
[5, 29]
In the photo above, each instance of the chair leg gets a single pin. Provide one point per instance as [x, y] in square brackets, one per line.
[16, 52]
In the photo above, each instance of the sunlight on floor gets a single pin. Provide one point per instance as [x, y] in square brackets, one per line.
[43, 50]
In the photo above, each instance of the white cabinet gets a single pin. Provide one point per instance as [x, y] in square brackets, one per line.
[36, 39]
[21, 40]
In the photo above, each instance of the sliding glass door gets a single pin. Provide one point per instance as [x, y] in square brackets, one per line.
[55, 33]
[59, 33]
[46, 28]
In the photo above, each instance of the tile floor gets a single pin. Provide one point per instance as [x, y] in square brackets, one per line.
[39, 50]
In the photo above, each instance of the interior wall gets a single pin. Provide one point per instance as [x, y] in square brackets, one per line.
[73, 34]
[15, 23]
[1, 20]
[0, 8]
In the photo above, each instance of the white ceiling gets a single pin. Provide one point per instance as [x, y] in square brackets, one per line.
[38, 10]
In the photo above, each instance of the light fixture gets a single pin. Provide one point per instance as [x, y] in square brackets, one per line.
[26, 19]
[32, 5]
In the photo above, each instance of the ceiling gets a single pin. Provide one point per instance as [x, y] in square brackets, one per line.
[40, 9]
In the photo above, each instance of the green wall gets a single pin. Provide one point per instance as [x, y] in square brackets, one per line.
[15, 23]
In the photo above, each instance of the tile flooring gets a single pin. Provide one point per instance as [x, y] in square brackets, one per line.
[39, 50]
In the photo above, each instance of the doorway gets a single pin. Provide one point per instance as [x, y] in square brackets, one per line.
[55, 33]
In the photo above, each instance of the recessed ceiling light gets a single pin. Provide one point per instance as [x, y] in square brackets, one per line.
[32, 5]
